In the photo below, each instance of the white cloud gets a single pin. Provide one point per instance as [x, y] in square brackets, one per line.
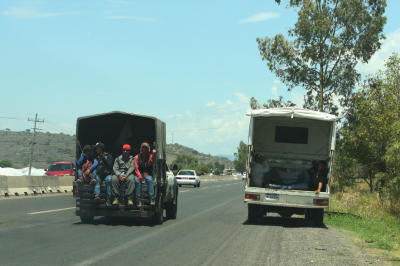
[26, 13]
[297, 98]
[142, 19]
[218, 129]
[260, 17]
[377, 61]
[274, 91]
[276, 81]
[188, 114]
[243, 98]
[172, 116]
[216, 122]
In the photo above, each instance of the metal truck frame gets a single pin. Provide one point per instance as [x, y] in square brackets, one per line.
[290, 138]
[115, 129]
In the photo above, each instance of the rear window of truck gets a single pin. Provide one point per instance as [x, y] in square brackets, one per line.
[295, 135]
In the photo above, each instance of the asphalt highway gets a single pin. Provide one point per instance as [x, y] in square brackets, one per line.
[211, 229]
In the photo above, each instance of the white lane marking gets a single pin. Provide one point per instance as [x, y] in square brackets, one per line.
[204, 187]
[183, 191]
[218, 186]
[53, 210]
[228, 184]
[157, 230]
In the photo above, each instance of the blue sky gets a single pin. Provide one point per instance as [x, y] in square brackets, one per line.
[192, 64]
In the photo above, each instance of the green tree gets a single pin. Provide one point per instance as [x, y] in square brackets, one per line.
[241, 157]
[5, 163]
[202, 169]
[271, 103]
[185, 161]
[328, 40]
[218, 168]
[368, 129]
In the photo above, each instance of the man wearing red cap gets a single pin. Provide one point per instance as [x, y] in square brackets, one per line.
[144, 171]
[124, 167]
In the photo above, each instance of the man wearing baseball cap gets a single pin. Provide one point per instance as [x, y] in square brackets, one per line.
[104, 170]
[124, 167]
[144, 171]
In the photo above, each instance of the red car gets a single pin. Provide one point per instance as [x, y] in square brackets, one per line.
[63, 168]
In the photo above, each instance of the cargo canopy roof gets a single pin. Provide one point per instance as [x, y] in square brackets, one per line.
[292, 112]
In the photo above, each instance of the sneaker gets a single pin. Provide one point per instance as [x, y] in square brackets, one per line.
[79, 182]
[138, 203]
[96, 198]
[130, 202]
[152, 201]
[93, 181]
[271, 186]
[108, 203]
[115, 202]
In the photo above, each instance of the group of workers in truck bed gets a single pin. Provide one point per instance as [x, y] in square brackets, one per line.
[313, 179]
[93, 168]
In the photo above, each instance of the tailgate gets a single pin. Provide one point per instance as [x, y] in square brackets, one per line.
[286, 198]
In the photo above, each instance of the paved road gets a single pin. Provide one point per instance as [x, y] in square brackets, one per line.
[211, 229]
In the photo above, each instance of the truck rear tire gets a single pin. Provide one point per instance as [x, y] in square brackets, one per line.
[252, 214]
[171, 208]
[87, 219]
[158, 216]
[318, 217]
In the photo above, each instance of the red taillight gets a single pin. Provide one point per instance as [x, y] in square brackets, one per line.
[76, 191]
[252, 196]
[323, 202]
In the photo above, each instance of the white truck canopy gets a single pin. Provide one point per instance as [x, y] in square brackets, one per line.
[311, 133]
[292, 112]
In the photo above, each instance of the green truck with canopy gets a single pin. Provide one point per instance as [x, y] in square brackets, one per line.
[115, 129]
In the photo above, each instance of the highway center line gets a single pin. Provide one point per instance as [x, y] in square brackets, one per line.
[53, 210]
[183, 191]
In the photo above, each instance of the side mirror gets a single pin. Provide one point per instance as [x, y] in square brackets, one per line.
[45, 169]
[174, 167]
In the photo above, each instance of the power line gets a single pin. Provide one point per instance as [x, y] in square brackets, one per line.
[16, 118]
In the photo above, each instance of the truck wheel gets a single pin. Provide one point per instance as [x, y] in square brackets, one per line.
[87, 219]
[171, 208]
[158, 216]
[252, 214]
[318, 217]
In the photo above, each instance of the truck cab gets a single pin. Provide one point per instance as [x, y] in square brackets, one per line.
[290, 139]
[115, 129]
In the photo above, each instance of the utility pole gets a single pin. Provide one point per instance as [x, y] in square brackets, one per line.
[33, 141]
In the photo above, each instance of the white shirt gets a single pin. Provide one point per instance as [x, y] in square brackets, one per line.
[257, 172]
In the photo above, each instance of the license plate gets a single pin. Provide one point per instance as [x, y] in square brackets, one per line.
[271, 197]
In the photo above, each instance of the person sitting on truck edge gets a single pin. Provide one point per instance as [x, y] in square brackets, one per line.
[124, 167]
[258, 169]
[86, 165]
[104, 170]
[303, 180]
[318, 183]
[314, 169]
[144, 171]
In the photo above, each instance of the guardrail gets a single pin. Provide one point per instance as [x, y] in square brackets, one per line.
[31, 185]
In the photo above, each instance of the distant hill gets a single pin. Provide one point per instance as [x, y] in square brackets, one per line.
[230, 157]
[14, 146]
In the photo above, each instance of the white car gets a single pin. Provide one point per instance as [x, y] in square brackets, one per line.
[244, 176]
[188, 177]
